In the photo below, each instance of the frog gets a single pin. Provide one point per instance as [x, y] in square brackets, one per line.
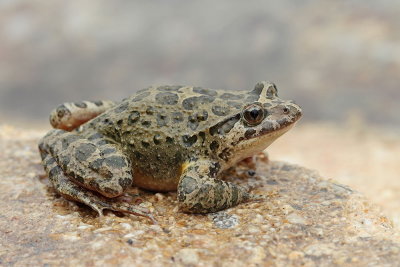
[161, 139]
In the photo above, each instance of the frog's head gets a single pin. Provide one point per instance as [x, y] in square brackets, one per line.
[262, 118]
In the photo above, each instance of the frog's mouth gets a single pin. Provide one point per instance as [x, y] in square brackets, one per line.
[272, 128]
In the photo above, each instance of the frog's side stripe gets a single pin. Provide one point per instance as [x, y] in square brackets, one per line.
[69, 116]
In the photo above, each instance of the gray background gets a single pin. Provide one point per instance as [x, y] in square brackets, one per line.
[338, 59]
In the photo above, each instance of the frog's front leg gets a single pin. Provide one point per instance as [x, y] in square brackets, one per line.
[77, 166]
[200, 192]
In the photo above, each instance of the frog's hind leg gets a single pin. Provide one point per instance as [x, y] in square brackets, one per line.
[77, 167]
[69, 116]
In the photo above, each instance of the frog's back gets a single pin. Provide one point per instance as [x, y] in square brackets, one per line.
[183, 108]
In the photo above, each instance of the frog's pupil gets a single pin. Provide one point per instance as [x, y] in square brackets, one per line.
[254, 113]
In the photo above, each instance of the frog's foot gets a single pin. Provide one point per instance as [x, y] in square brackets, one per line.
[69, 116]
[200, 192]
[72, 191]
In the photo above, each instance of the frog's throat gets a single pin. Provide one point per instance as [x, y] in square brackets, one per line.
[252, 146]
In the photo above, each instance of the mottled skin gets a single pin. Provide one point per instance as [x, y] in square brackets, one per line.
[163, 139]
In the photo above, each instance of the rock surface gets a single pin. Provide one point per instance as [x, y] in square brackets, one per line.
[306, 221]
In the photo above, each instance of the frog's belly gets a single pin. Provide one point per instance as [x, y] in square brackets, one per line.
[154, 183]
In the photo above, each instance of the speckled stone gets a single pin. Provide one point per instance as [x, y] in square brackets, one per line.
[307, 220]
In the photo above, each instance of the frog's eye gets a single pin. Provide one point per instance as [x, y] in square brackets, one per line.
[253, 114]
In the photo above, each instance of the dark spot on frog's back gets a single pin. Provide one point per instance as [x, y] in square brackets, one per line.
[177, 117]
[193, 102]
[167, 98]
[143, 90]
[201, 115]
[252, 98]
[235, 104]
[229, 96]
[140, 96]
[220, 110]
[196, 118]
[204, 91]
[162, 120]
[189, 140]
[98, 103]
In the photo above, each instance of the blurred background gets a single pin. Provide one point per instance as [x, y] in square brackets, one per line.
[336, 58]
[340, 60]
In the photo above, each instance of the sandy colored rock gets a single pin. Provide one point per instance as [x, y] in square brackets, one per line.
[307, 220]
[357, 154]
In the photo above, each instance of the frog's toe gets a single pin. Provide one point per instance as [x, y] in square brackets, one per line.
[135, 210]
[99, 205]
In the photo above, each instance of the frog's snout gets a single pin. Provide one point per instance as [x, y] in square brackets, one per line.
[292, 110]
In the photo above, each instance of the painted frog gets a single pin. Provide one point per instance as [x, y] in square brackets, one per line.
[162, 138]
